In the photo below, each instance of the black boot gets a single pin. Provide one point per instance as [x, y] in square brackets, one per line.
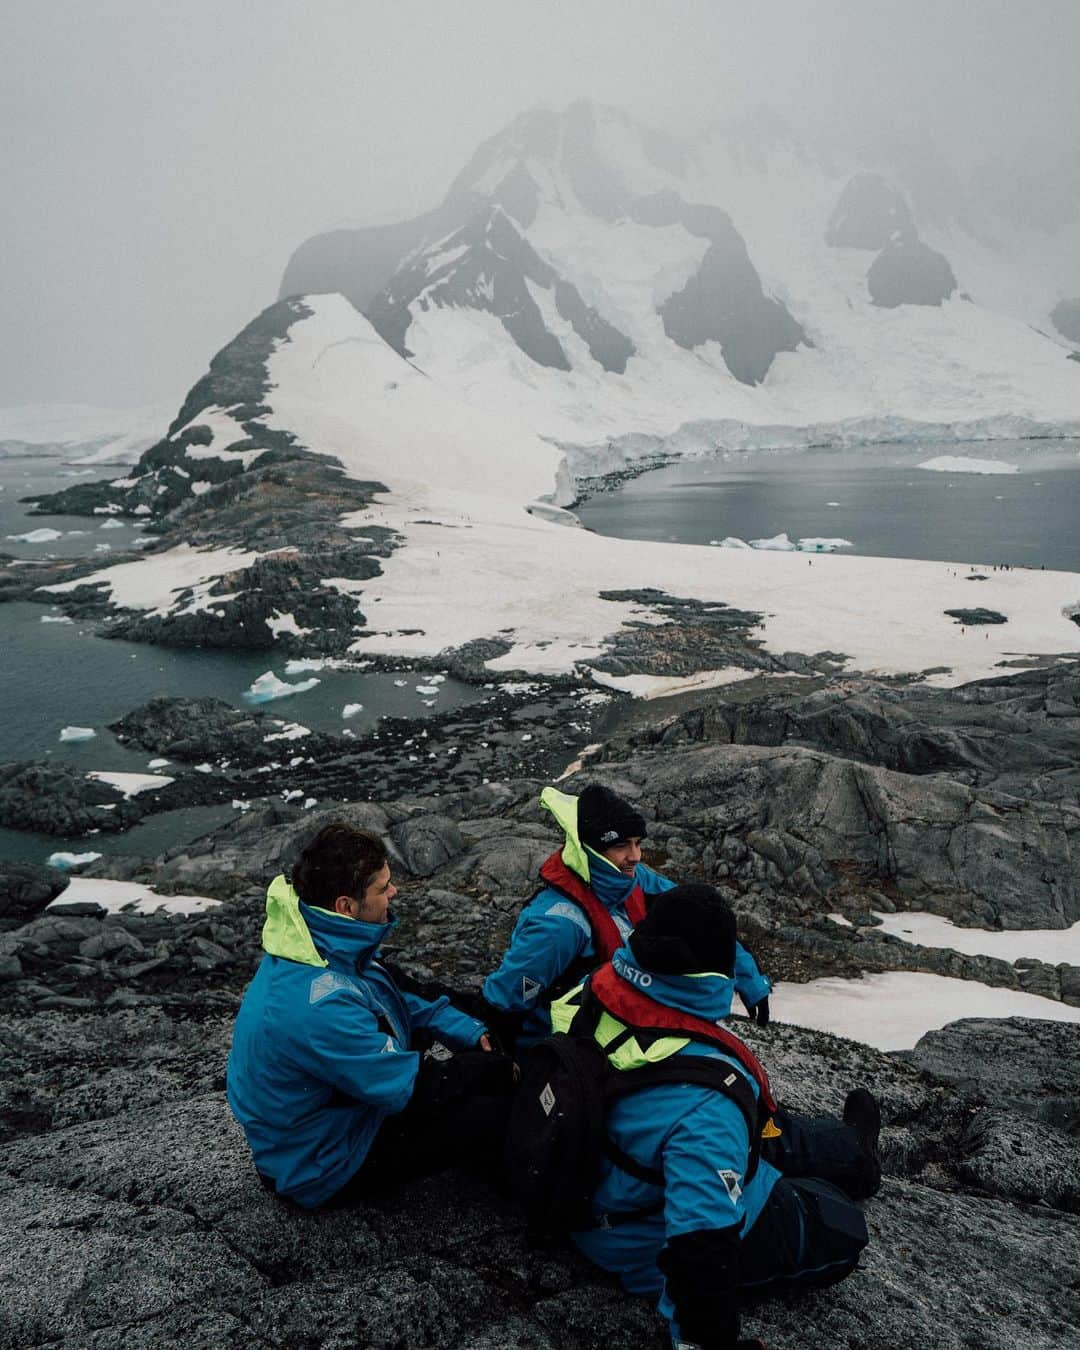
[863, 1114]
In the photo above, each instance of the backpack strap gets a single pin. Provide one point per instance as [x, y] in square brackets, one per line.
[605, 931]
[695, 1069]
[634, 1008]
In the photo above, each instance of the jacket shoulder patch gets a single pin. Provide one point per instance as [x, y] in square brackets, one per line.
[326, 983]
[565, 909]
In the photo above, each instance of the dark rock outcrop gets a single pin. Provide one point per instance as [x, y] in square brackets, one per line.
[1017, 733]
[25, 890]
[724, 300]
[1066, 319]
[976, 616]
[910, 272]
[487, 266]
[869, 214]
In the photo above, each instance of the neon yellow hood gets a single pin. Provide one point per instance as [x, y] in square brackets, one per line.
[285, 933]
[575, 854]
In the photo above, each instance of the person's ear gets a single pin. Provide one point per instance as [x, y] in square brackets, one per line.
[343, 905]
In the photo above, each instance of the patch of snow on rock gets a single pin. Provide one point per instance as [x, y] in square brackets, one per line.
[117, 895]
[1052, 945]
[893, 1010]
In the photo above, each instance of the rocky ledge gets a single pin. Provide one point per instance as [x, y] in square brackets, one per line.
[131, 1215]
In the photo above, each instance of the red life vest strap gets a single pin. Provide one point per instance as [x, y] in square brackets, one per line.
[605, 931]
[634, 1008]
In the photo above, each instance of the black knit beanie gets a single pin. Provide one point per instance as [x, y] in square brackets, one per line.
[605, 819]
[686, 930]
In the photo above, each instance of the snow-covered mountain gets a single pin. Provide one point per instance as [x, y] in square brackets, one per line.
[601, 280]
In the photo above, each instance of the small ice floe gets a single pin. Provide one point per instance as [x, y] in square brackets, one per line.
[779, 543]
[309, 802]
[301, 663]
[268, 687]
[56, 618]
[204, 768]
[289, 731]
[103, 548]
[111, 524]
[131, 784]
[832, 503]
[292, 794]
[351, 709]
[158, 763]
[729, 541]
[964, 464]
[428, 690]
[814, 544]
[240, 805]
[74, 734]
[400, 684]
[69, 860]
[45, 536]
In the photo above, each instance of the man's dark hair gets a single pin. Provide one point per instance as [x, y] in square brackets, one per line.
[340, 860]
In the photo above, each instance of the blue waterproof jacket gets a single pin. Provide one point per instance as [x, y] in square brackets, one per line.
[551, 932]
[321, 1051]
[696, 1136]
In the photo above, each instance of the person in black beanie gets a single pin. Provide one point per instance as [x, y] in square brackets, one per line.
[594, 890]
[705, 1219]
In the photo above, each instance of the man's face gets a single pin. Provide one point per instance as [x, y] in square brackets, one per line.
[374, 905]
[625, 855]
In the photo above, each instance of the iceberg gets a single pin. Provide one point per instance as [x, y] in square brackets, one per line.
[816, 545]
[45, 536]
[965, 464]
[351, 709]
[779, 543]
[74, 734]
[66, 860]
[268, 687]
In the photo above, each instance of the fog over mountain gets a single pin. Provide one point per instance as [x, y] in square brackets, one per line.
[164, 161]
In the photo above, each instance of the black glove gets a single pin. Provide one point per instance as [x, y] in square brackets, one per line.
[469, 1073]
[702, 1273]
[486, 1072]
[759, 1012]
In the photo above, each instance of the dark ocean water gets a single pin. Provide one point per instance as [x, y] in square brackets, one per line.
[876, 497]
[57, 674]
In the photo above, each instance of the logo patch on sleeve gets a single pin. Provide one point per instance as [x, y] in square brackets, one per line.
[731, 1182]
[529, 989]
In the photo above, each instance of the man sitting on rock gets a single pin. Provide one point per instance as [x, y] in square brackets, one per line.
[695, 1207]
[595, 891]
[328, 1073]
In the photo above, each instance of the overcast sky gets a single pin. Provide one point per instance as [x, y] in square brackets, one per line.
[160, 161]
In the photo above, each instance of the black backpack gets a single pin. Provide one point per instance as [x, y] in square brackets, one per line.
[557, 1139]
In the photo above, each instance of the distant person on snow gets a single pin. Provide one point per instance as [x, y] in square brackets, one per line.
[341, 1080]
[709, 1195]
[595, 890]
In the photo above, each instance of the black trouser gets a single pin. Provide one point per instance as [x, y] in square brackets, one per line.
[823, 1147]
[410, 1145]
[810, 1233]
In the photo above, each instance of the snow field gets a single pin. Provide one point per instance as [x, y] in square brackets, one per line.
[893, 1010]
